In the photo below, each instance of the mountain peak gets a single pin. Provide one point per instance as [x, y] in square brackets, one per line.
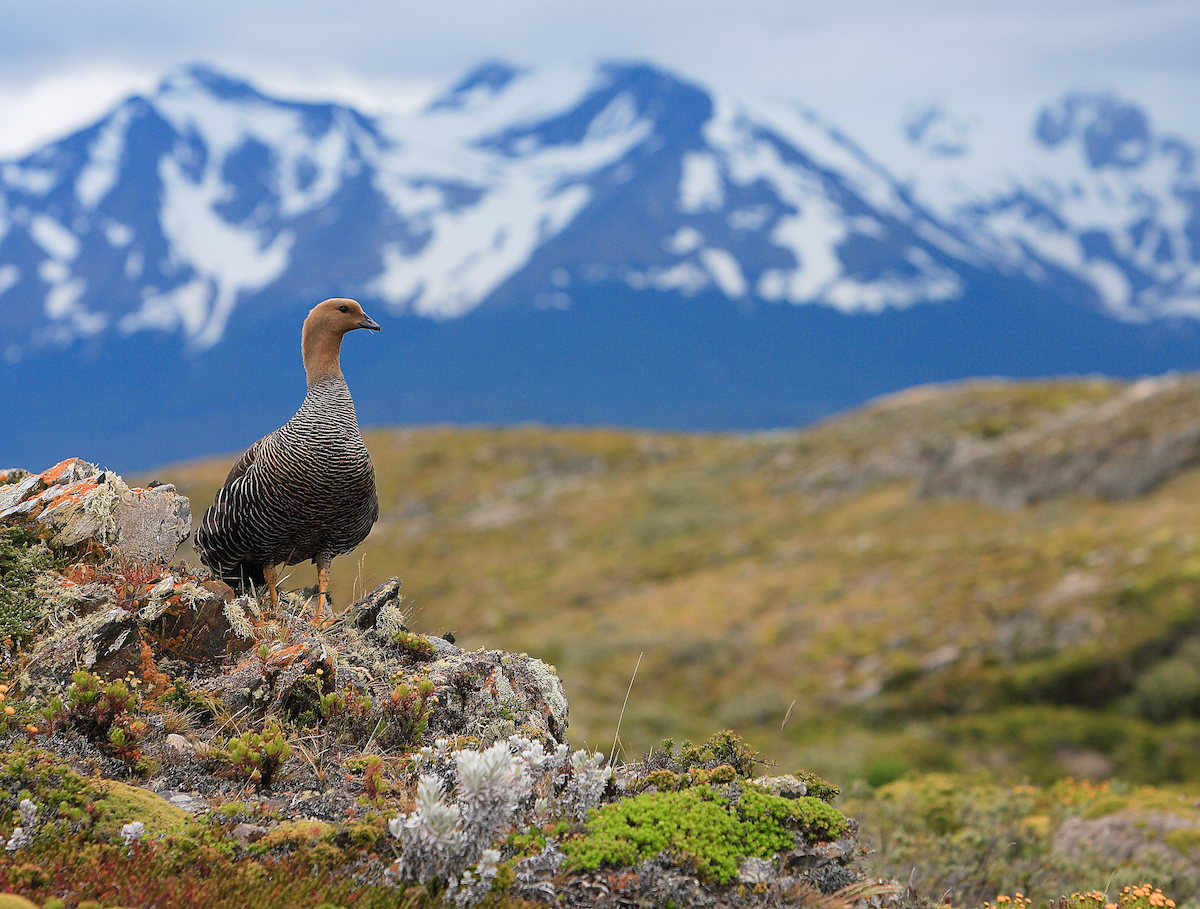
[485, 80]
[1114, 133]
[211, 81]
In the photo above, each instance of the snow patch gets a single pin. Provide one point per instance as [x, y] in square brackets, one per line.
[620, 116]
[183, 307]
[51, 271]
[54, 239]
[725, 272]
[118, 235]
[100, 174]
[685, 240]
[63, 305]
[233, 259]
[700, 187]
[35, 181]
[9, 276]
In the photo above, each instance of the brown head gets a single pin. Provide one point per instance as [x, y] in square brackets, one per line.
[321, 340]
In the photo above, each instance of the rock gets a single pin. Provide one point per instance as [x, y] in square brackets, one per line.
[287, 680]
[829, 866]
[365, 612]
[180, 744]
[787, 786]
[187, 801]
[492, 694]
[75, 501]
[246, 834]
[485, 694]
[197, 623]
[106, 643]
[13, 494]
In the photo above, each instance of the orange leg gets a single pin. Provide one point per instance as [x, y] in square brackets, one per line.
[322, 588]
[272, 580]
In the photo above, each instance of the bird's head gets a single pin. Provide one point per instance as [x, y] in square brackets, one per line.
[321, 339]
[338, 316]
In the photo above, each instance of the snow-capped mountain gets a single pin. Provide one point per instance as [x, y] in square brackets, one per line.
[554, 216]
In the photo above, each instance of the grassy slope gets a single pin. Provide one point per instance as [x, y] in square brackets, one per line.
[752, 571]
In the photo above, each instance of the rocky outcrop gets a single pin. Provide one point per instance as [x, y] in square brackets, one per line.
[117, 610]
[74, 502]
[484, 694]
[1004, 444]
[1115, 448]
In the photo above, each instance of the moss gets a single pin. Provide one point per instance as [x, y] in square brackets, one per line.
[817, 787]
[292, 834]
[1184, 840]
[22, 559]
[123, 803]
[1104, 808]
[700, 826]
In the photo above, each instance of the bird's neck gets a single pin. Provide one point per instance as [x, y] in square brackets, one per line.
[321, 350]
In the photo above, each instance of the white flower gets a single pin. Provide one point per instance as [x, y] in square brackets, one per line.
[133, 832]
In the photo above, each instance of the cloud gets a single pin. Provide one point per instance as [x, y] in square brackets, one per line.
[862, 63]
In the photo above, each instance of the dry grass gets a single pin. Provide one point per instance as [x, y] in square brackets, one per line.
[754, 571]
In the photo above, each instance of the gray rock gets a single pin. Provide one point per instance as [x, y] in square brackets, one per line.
[73, 502]
[787, 786]
[246, 834]
[13, 494]
[107, 643]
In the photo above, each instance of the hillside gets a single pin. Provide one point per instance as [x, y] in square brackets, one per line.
[912, 575]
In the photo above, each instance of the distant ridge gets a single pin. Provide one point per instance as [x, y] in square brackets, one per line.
[614, 245]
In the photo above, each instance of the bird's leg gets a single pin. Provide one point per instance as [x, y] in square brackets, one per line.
[322, 588]
[272, 580]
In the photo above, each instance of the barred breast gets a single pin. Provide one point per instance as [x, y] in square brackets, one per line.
[305, 492]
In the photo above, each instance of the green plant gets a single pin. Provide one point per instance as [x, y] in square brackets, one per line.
[414, 645]
[407, 710]
[256, 756]
[373, 783]
[182, 697]
[699, 825]
[22, 558]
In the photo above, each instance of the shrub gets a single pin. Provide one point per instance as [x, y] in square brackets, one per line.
[256, 756]
[702, 826]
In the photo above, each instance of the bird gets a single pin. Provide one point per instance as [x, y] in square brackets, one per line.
[307, 490]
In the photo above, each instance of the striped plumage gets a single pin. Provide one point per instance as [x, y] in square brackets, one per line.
[307, 490]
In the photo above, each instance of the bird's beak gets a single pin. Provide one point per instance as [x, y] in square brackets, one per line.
[368, 322]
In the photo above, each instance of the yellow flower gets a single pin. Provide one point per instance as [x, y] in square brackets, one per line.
[10, 710]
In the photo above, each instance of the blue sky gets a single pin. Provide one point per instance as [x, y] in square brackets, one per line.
[863, 64]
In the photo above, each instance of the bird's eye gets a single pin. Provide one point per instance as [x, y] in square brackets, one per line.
[343, 309]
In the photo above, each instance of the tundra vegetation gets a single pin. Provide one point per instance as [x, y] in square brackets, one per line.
[990, 683]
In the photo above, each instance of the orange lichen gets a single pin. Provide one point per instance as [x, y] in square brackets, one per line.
[72, 494]
[52, 475]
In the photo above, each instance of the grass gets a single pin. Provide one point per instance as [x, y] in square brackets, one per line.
[757, 570]
[973, 839]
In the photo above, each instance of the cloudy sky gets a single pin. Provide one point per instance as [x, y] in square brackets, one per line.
[863, 64]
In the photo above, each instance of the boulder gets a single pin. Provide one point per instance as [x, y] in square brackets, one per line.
[485, 694]
[74, 502]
